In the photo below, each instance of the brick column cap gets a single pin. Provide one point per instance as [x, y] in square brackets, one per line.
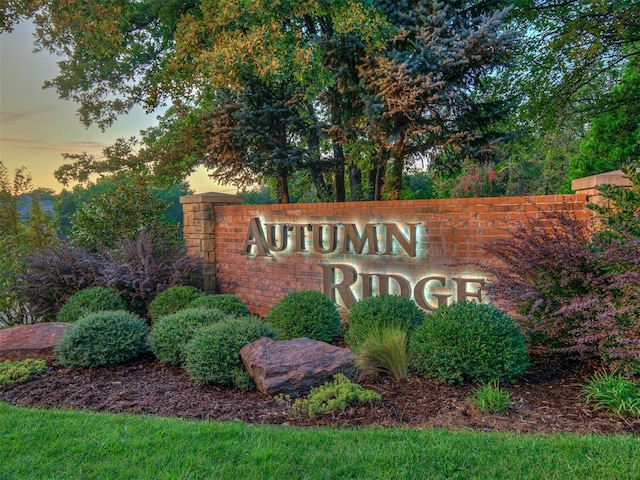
[212, 198]
[611, 178]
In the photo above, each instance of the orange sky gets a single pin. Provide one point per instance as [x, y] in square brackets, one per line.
[36, 127]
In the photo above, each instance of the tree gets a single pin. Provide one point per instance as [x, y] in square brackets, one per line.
[262, 88]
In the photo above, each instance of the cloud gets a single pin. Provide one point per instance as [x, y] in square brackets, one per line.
[15, 116]
[42, 145]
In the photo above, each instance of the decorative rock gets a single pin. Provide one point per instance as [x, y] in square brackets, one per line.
[30, 341]
[292, 367]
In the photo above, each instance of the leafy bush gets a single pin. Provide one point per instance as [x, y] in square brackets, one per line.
[576, 293]
[377, 312]
[102, 338]
[171, 333]
[18, 372]
[335, 396]
[89, 300]
[468, 342]
[213, 355]
[612, 391]
[305, 313]
[384, 352]
[154, 261]
[229, 304]
[491, 398]
[137, 268]
[52, 275]
[173, 300]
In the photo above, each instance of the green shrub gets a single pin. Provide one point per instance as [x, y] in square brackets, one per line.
[213, 355]
[171, 333]
[21, 371]
[102, 338]
[491, 398]
[384, 352]
[90, 300]
[335, 396]
[468, 342]
[615, 392]
[229, 304]
[383, 311]
[305, 313]
[173, 300]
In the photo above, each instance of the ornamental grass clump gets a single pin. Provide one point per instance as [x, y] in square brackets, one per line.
[468, 342]
[491, 398]
[20, 371]
[384, 352]
[102, 338]
[227, 303]
[335, 396]
[375, 313]
[213, 355]
[305, 313]
[173, 300]
[170, 334]
[90, 300]
[613, 391]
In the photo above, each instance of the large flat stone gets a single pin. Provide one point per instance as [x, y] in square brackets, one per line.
[293, 367]
[31, 341]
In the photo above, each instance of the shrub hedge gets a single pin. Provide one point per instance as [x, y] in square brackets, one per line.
[171, 333]
[305, 313]
[468, 342]
[227, 303]
[90, 300]
[102, 338]
[173, 300]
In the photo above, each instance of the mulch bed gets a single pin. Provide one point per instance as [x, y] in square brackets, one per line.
[547, 400]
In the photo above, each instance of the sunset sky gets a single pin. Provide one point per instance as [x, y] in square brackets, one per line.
[36, 127]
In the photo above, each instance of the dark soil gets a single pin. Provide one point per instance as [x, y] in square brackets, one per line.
[547, 400]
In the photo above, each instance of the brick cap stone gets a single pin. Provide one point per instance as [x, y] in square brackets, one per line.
[31, 341]
[213, 198]
[611, 178]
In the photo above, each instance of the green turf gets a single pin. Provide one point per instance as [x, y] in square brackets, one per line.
[47, 444]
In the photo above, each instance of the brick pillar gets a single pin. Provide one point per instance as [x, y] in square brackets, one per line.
[589, 185]
[199, 230]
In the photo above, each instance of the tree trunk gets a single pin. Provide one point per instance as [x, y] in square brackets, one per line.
[355, 183]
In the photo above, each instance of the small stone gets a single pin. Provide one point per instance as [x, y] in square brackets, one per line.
[37, 340]
[293, 367]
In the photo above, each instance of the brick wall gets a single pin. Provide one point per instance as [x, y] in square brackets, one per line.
[448, 238]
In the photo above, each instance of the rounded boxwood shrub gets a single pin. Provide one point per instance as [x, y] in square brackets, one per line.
[227, 303]
[89, 300]
[173, 300]
[213, 355]
[102, 338]
[373, 313]
[171, 333]
[305, 313]
[468, 342]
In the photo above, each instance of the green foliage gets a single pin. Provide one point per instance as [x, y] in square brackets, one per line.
[89, 300]
[172, 300]
[491, 398]
[102, 338]
[305, 313]
[227, 303]
[613, 391]
[620, 208]
[335, 396]
[213, 355]
[171, 333]
[378, 312]
[21, 371]
[121, 211]
[468, 342]
[384, 352]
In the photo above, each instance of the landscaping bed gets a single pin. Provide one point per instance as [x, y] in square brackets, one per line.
[547, 400]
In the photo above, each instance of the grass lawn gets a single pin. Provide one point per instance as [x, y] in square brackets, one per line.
[46, 444]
